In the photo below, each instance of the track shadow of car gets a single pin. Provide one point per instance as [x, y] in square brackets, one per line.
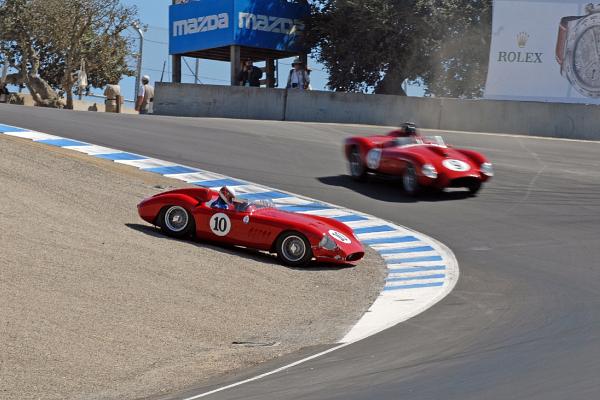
[390, 189]
[252, 254]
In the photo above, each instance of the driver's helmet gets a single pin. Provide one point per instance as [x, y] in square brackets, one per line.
[410, 129]
[227, 194]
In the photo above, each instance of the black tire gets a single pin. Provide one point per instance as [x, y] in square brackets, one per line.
[176, 221]
[474, 188]
[293, 249]
[358, 170]
[410, 181]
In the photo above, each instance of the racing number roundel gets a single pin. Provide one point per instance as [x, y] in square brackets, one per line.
[339, 236]
[373, 158]
[220, 224]
[456, 165]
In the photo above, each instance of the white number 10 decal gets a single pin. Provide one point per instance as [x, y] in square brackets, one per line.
[220, 224]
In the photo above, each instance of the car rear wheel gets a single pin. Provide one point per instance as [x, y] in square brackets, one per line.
[176, 221]
[293, 249]
[357, 168]
[410, 181]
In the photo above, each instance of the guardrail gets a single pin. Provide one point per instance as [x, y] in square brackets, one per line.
[573, 121]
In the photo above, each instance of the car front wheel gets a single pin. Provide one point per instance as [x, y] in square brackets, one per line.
[474, 188]
[293, 249]
[410, 181]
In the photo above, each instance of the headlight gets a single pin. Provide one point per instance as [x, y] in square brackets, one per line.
[487, 169]
[429, 171]
[327, 243]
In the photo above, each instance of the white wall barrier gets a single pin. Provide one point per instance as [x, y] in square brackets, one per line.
[188, 100]
[573, 121]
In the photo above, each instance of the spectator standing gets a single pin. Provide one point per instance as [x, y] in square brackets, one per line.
[299, 77]
[113, 98]
[145, 96]
[4, 93]
[249, 75]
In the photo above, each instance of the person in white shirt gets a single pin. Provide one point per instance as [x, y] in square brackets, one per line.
[299, 77]
[145, 96]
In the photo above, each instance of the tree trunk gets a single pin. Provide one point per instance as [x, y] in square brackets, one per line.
[69, 92]
[67, 83]
[41, 92]
[391, 83]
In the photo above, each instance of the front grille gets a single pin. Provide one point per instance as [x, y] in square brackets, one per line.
[355, 256]
[466, 181]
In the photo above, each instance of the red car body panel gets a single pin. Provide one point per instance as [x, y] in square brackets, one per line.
[256, 228]
[394, 159]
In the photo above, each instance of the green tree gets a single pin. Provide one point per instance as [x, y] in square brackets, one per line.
[46, 40]
[459, 58]
[378, 44]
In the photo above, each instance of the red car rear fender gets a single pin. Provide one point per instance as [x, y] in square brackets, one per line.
[150, 208]
[201, 194]
[363, 144]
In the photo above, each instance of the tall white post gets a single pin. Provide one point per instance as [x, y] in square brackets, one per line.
[138, 75]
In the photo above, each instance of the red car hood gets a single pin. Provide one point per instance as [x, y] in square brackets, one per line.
[315, 222]
[446, 160]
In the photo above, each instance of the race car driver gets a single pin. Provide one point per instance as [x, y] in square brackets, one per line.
[225, 200]
[410, 129]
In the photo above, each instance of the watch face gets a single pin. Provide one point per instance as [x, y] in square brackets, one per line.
[583, 56]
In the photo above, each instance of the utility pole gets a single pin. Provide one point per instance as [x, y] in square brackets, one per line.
[196, 71]
[138, 76]
[162, 74]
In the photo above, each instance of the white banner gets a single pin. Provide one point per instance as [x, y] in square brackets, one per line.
[545, 50]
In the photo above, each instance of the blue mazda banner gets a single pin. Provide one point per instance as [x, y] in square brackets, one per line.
[207, 24]
[200, 25]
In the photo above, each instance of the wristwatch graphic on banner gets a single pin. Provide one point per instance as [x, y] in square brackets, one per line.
[578, 50]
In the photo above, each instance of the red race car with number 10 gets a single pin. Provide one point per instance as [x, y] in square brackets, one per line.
[421, 162]
[220, 217]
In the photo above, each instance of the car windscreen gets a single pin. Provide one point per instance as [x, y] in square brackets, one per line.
[412, 140]
[438, 140]
[405, 141]
[248, 206]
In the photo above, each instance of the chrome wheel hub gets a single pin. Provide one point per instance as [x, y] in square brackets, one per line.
[176, 218]
[293, 248]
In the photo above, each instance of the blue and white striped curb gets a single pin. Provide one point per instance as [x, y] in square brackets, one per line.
[421, 271]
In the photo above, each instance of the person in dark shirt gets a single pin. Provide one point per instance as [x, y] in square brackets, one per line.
[249, 75]
[4, 93]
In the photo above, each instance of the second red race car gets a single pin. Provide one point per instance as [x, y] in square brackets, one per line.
[421, 161]
[220, 217]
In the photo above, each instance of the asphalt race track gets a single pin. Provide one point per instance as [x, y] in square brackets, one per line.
[524, 319]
